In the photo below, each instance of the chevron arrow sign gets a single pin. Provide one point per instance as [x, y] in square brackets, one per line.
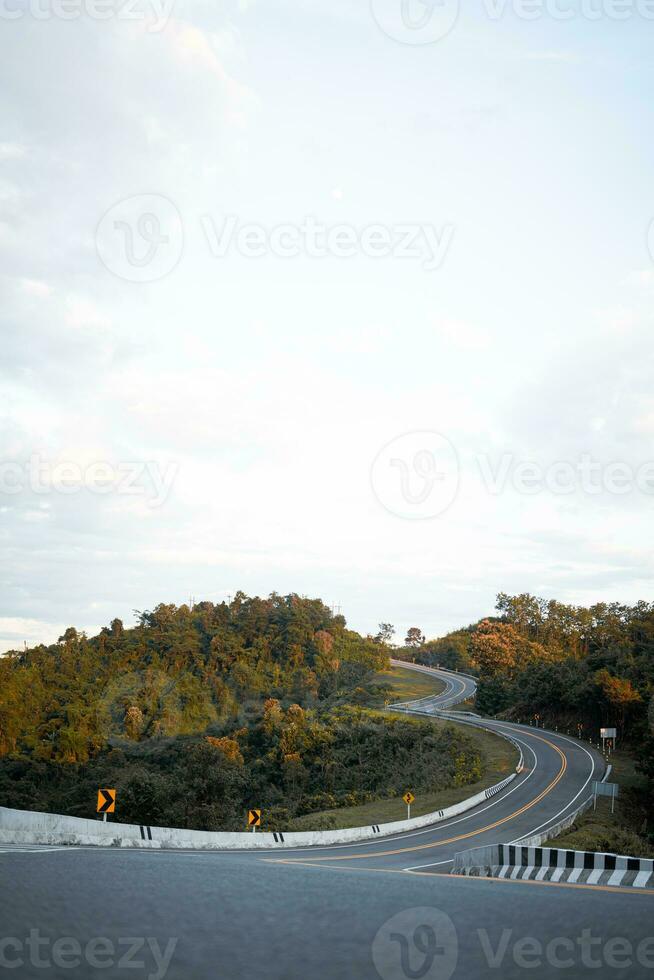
[106, 800]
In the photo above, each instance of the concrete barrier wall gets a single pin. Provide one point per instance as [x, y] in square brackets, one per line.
[25, 826]
[524, 862]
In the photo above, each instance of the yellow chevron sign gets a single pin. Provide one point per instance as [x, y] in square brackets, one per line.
[106, 801]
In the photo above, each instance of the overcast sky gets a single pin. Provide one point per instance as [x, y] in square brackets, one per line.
[304, 288]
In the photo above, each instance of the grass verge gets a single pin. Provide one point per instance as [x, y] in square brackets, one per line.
[408, 685]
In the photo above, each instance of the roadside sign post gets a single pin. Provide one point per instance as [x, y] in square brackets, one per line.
[254, 819]
[408, 799]
[106, 802]
[605, 789]
[610, 735]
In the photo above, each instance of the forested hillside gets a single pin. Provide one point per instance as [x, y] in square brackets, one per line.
[197, 713]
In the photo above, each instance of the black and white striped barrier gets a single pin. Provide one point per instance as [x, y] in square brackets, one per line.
[555, 865]
[493, 790]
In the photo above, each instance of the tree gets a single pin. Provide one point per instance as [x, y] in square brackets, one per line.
[117, 628]
[619, 692]
[414, 637]
[386, 633]
[494, 647]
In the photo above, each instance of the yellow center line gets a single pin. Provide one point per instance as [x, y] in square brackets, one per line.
[454, 840]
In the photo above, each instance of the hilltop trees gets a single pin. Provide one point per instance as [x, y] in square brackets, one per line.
[571, 665]
[414, 637]
[176, 672]
[500, 648]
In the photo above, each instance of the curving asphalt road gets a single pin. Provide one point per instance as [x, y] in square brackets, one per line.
[555, 779]
[385, 908]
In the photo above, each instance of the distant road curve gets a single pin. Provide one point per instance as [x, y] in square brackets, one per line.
[458, 687]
